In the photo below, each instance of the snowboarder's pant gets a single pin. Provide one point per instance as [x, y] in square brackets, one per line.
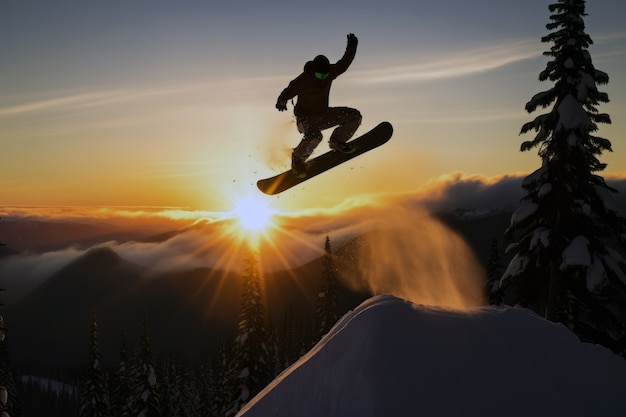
[346, 118]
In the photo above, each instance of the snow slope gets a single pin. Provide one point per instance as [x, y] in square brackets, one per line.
[390, 357]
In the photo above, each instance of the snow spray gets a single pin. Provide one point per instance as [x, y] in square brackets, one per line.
[278, 144]
[408, 253]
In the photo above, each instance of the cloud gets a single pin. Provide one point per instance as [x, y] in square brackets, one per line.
[609, 37]
[70, 100]
[456, 64]
[19, 274]
[408, 252]
[460, 191]
[67, 101]
[156, 217]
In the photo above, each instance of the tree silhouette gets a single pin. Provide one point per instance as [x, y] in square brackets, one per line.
[180, 391]
[9, 403]
[562, 266]
[252, 364]
[93, 388]
[222, 382]
[327, 311]
[122, 384]
[144, 375]
[8, 388]
[494, 272]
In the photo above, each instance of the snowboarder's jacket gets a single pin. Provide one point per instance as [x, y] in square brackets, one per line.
[313, 93]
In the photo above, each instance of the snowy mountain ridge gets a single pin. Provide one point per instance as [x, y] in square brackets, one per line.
[390, 357]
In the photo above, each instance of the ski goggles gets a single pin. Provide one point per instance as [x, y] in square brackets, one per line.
[322, 75]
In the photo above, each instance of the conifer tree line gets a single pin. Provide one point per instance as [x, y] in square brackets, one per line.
[142, 385]
[566, 238]
[9, 404]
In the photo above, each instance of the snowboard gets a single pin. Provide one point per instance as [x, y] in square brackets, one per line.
[370, 140]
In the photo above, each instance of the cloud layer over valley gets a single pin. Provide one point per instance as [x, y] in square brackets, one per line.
[401, 238]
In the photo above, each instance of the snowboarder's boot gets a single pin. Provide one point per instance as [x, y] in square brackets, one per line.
[298, 167]
[343, 147]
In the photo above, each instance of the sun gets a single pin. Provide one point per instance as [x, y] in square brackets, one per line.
[253, 214]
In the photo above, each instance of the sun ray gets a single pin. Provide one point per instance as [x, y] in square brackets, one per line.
[253, 219]
[253, 214]
[252, 224]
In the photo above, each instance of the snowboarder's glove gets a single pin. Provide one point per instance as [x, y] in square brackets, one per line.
[281, 105]
[352, 41]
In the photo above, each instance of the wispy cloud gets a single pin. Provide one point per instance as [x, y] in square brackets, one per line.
[455, 64]
[65, 101]
[69, 100]
[117, 213]
[608, 37]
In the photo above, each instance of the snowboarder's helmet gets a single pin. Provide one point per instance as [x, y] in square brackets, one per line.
[321, 67]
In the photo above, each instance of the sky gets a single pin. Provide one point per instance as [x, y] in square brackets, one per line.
[171, 104]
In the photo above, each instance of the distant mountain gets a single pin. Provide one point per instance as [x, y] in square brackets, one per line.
[49, 323]
[41, 236]
[188, 312]
[206, 227]
[7, 251]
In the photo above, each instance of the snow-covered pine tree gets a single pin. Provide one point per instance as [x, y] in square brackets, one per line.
[6, 377]
[327, 312]
[144, 376]
[122, 399]
[562, 264]
[190, 389]
[206, 390]
[170, 387]
[494, 271]
[273, 348]
[221, 384]
[252, 366]
[9, 404]
[179, 390]
[93, 387]
[288, 347]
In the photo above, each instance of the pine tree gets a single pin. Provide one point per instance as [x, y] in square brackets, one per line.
[170, 388]
[93, 388]
[122, 385]
[179, 390]
[494, 272]
[9, 404]
[271, 344]
[8, 388]
[189, 389]
[327, 311]
[206, 390]
[252, 366]
[286, 350]
[144, 375]
[221, 386]
[562, 265]
[293, 339]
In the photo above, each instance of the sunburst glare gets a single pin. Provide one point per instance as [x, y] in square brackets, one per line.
[254, 217]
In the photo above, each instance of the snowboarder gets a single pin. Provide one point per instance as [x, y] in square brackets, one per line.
[312, 111]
